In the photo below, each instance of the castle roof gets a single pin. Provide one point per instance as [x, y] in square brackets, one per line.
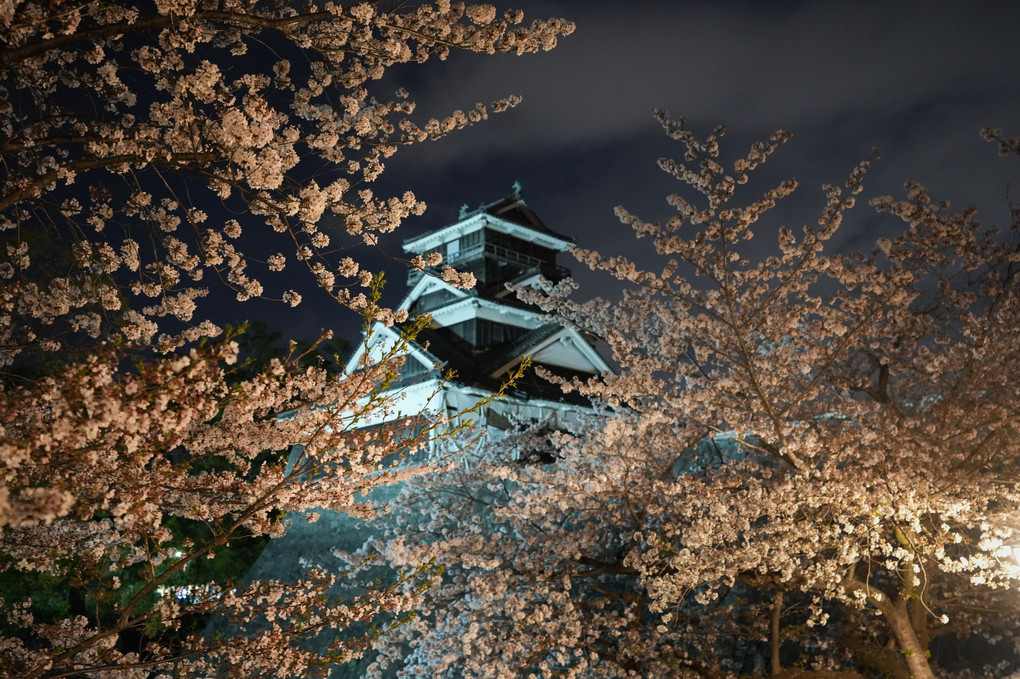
[508, 214]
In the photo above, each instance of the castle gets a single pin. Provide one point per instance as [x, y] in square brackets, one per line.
[474, 338]
[478, 335]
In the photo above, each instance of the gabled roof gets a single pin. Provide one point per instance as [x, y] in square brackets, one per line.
[487, 368]
[431, 282]
[381, 340]
[562, 350]
[503, 305]
[512, 208]
[504, 357]
[551, 345]
[509, 215]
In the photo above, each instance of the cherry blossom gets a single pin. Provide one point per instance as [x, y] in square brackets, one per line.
[151, 151]
[806, 465]
[175, 135]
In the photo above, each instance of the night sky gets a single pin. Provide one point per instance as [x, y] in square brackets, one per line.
[915, 81]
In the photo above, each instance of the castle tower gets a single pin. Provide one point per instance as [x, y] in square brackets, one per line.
[480, 334]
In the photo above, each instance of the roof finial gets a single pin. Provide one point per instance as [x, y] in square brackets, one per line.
[517, 189]
[464, 210]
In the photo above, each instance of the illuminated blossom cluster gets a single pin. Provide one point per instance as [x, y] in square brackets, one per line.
[98, 460]
[806, 465]
[189, 120]
[150, 151]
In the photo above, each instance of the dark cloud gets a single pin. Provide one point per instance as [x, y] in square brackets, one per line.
[750, 67]
[916, 80]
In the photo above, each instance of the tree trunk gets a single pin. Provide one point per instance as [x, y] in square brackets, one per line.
[914, 653]
[897, 615]
[775, 640]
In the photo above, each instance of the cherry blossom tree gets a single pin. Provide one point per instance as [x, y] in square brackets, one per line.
[807, 464]
[151, 150]
[126, 127]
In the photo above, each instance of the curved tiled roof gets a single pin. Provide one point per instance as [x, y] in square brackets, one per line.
[512, 208]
